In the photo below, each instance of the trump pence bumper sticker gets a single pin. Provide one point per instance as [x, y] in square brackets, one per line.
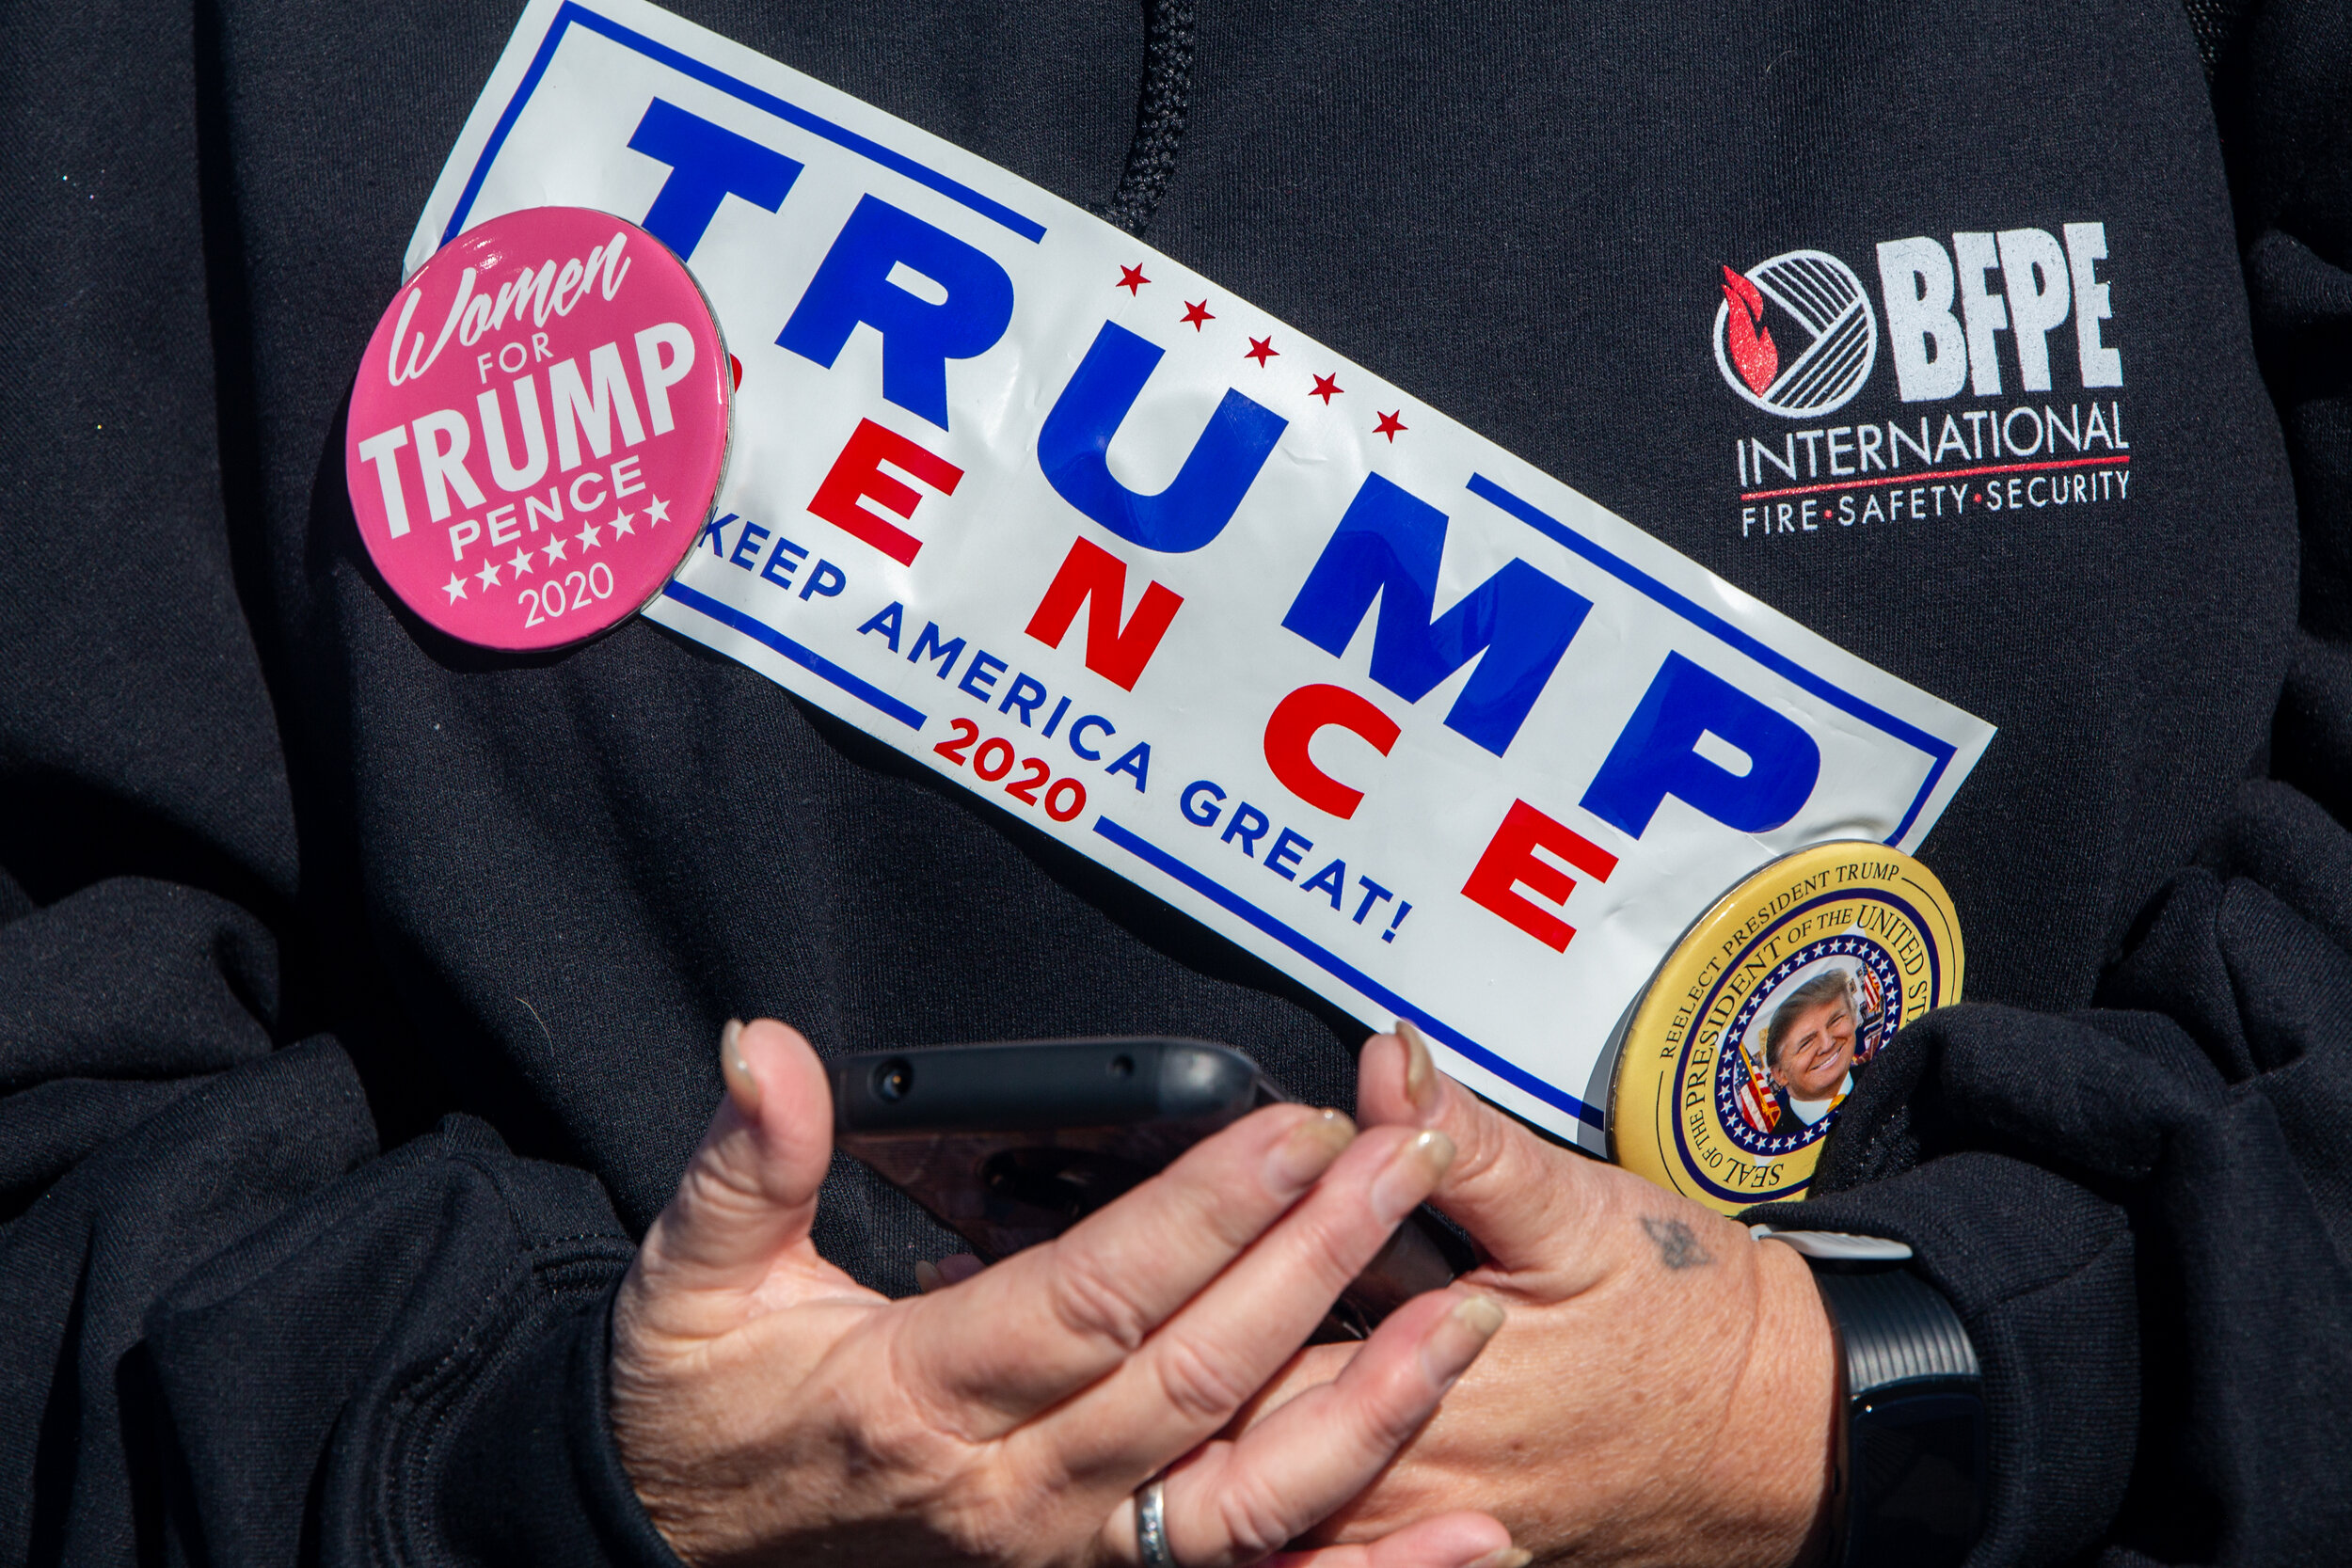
[1179, 587]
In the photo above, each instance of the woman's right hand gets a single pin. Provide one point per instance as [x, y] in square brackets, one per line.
[768, 1408]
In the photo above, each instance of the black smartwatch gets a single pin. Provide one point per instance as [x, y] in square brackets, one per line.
[1910, 1478]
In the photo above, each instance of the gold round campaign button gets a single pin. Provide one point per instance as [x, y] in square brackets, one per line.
[1736, 1057]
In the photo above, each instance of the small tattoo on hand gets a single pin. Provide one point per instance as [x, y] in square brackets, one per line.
[1677, 1248]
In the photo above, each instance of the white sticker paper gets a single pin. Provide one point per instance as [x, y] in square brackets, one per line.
[1173, 583]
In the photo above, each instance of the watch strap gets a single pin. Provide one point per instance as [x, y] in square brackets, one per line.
[1911, 1454]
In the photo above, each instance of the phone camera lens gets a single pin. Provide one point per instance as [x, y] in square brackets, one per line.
[1122, 1066]
[893, 1079]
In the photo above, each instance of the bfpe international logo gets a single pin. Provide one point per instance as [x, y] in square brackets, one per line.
[1826, 342]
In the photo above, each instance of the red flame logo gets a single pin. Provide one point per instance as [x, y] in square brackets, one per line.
[1753, 353]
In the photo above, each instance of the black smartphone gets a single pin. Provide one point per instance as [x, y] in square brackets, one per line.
[1011, 1144]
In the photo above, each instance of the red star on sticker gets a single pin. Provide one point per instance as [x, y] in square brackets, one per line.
[1327, 388]
[1261, 350]
[1131, 279]
[1389, 424]
[1195, 314]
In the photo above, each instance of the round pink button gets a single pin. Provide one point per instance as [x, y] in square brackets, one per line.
[538, 429]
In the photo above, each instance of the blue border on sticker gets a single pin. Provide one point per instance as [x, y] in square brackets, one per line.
[1707, 621]
[807, 659]
[573, 13]
[1306, 947]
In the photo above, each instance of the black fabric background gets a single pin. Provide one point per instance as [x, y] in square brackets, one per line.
[358, 993]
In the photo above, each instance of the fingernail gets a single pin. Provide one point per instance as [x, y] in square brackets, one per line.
[1504, 1557]
[925, 1275]
[1420, 1072]
[1308, 1151]
[1457, 1338]
[742, 1087]
[1410, 1175]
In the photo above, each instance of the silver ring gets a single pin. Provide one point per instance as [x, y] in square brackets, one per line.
[1151, 1527]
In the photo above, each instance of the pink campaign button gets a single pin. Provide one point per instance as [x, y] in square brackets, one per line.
[538, 429]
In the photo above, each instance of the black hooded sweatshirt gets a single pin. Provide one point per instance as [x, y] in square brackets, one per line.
[359, 995]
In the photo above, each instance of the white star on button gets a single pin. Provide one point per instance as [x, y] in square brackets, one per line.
[490, 574]
[620, 524]
[588, 536]
[456, 587]
[659, 512]
[521, 561]
[555, 550]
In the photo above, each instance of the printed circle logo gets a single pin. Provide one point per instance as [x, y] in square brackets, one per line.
[1828, 338]
[1734, 1062]
[537, 428]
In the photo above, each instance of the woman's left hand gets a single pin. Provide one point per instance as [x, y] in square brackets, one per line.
[1661, 1390]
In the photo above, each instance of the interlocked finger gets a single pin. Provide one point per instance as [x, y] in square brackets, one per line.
[1239, 1501]
[1032, 1330]
[1215, 1353]
[1516, 1195]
